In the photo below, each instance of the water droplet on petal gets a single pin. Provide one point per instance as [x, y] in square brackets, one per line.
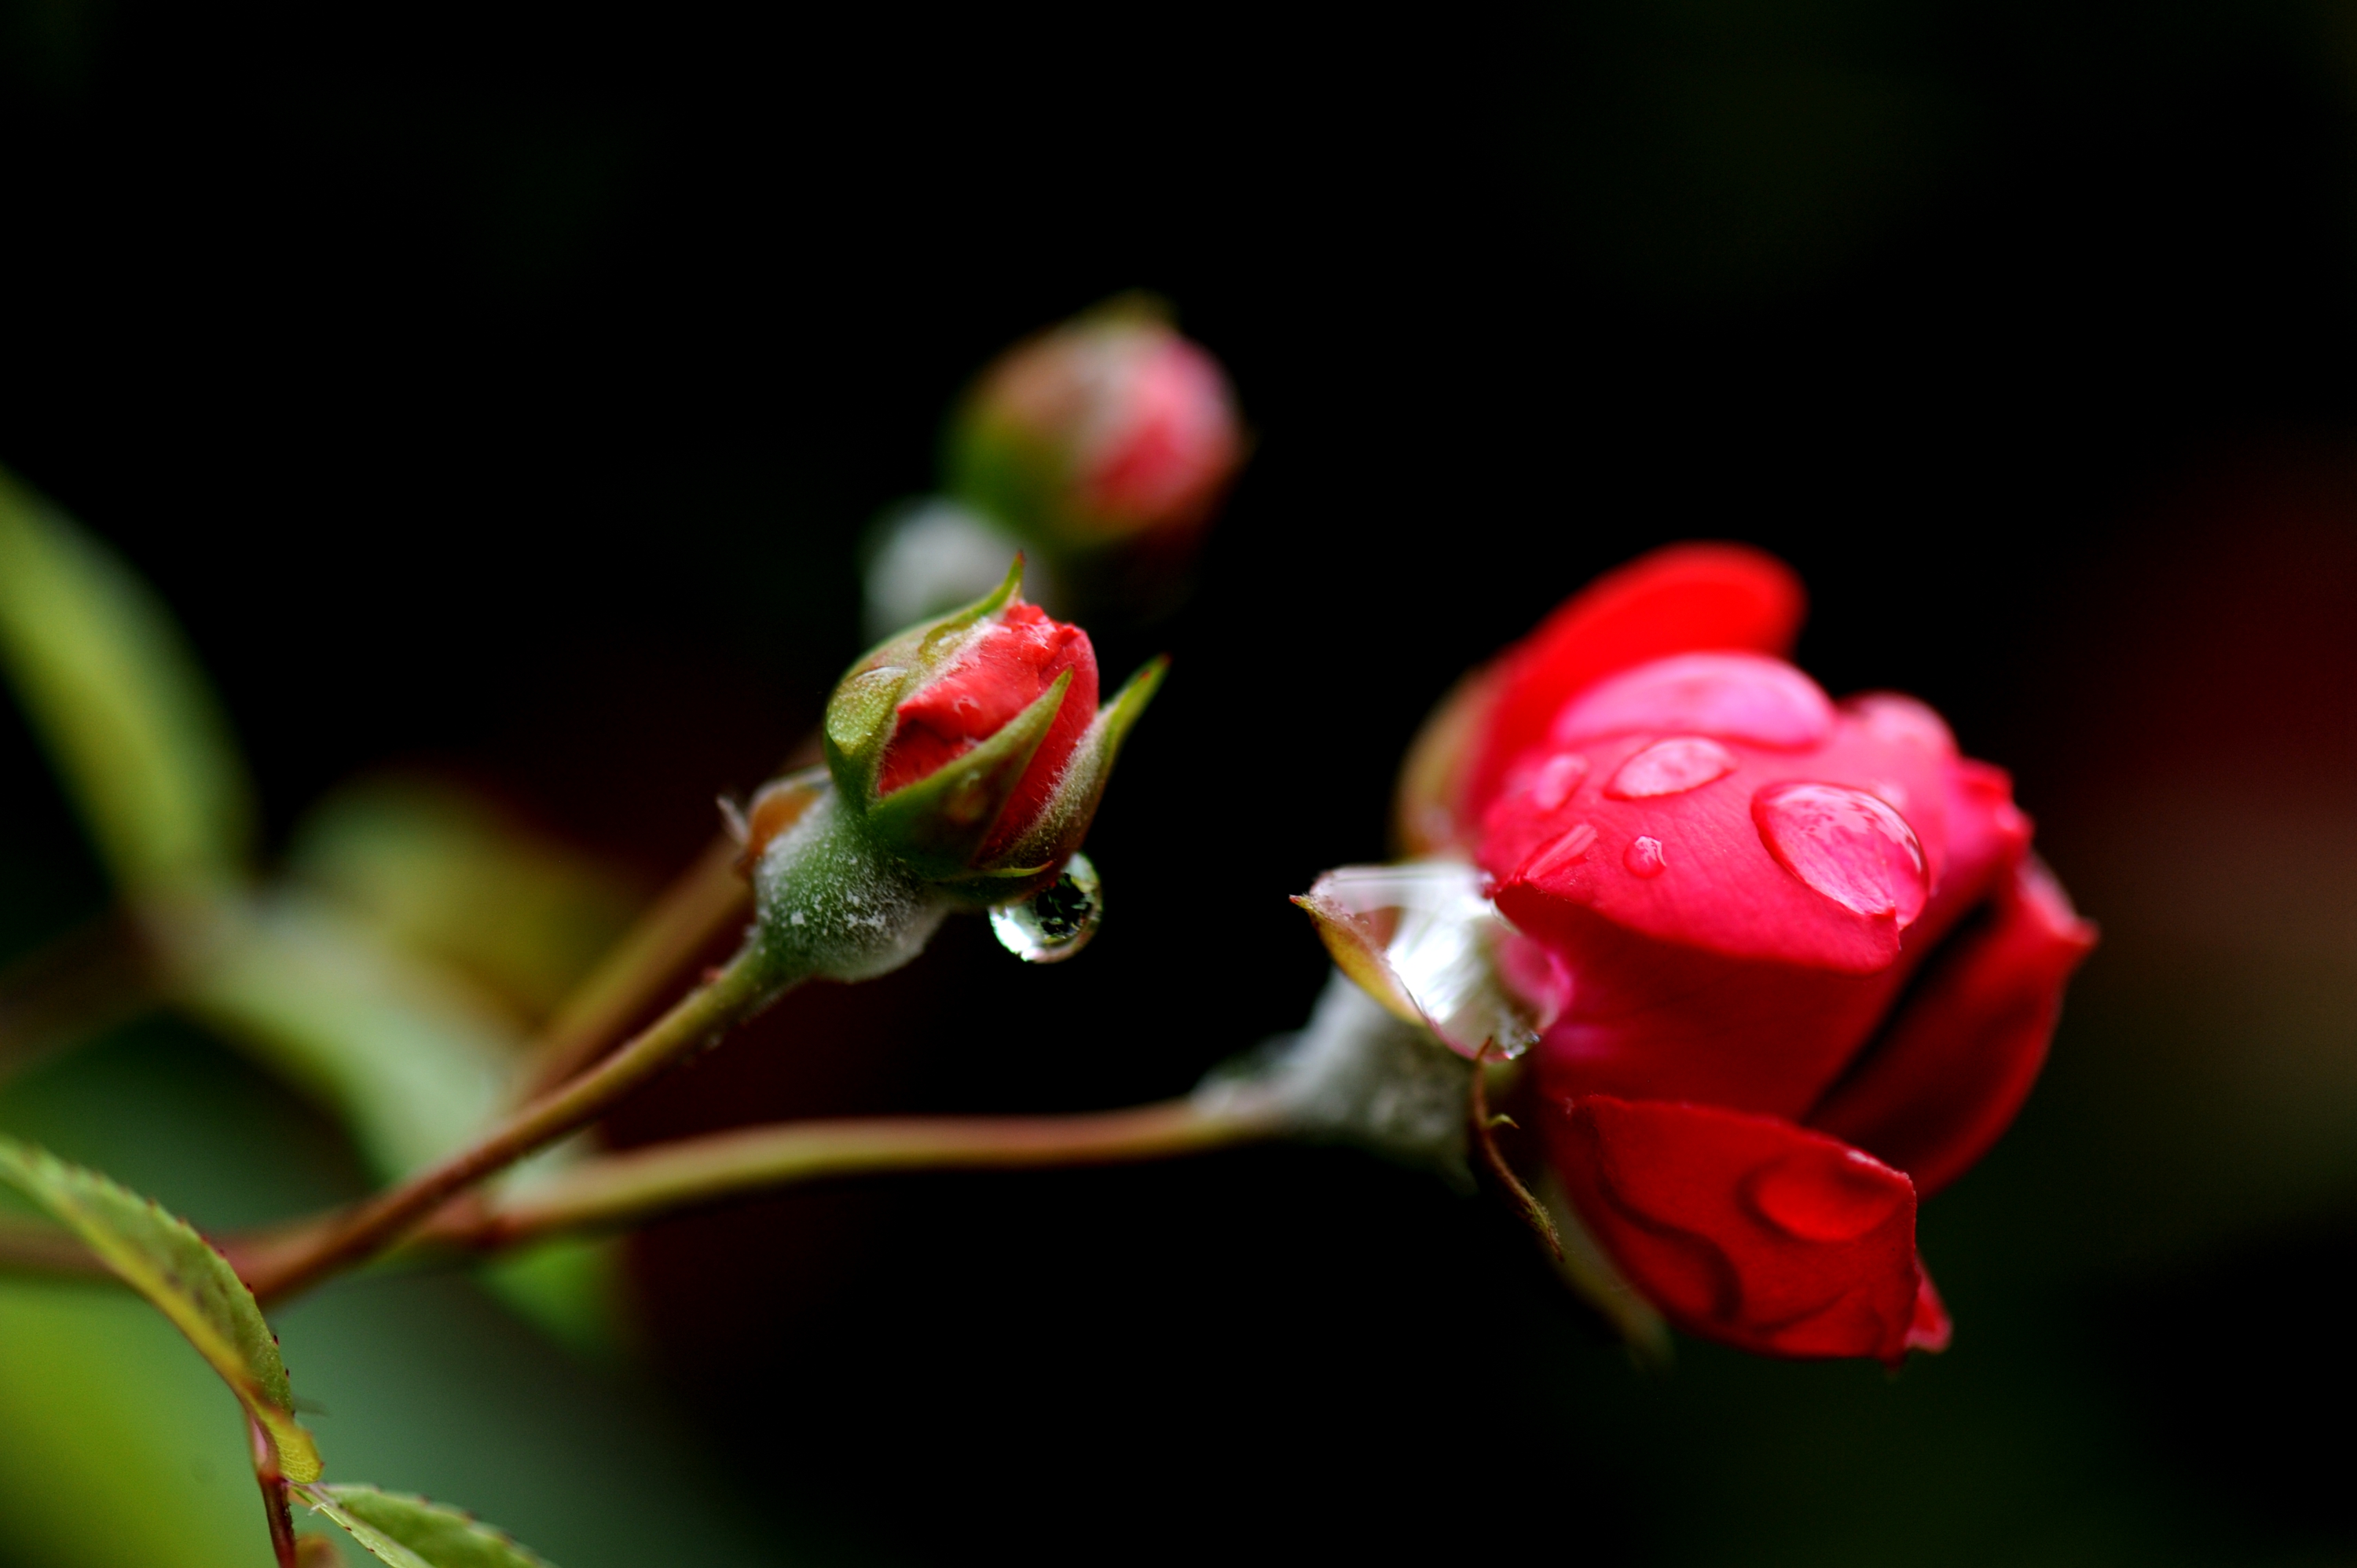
[1891, 792]
[1556, 777]
[1670, 768]
[1845, 844]
[1569, 846]
[1827, 1194]
[1735, 696]
[1050, 927]
[1643, 857]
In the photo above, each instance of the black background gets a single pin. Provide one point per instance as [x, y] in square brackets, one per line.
[505, 390]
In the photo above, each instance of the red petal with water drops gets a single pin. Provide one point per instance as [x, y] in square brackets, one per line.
[1831, 879]
[1686, 599]
[1705, 968]
[1670, 766]
[1947, 1077]
[1746, 1229]
[1845, 844]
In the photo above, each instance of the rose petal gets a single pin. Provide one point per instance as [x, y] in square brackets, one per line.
[1727, 696]
[1954, 1067]
[1930, 1331]
[1003, 669]
[1677, 600]
[1746, 1229]
[1724, 887]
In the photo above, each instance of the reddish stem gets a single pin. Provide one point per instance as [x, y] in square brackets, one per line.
[1532, 1212]
[274, 1495]
[312, 1254]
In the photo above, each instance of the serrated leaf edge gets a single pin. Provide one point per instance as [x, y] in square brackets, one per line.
[331, 1499]
[49, 1181]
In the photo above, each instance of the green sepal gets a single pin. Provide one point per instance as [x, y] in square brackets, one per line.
[938, 823]
[858, 727]
[1032, 861]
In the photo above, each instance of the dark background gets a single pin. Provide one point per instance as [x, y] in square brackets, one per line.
[504, 391]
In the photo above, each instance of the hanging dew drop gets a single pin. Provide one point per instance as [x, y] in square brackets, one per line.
[1513, 1038]
[1050, 927]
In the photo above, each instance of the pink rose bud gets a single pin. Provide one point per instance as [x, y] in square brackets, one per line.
[1813, 966]
[1109, 426]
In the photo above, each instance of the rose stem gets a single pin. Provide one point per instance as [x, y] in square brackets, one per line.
[743, 985]
[691, 911]
[686, 916]
[1533, 1213]
[619, 1190]
[623, 1189]
[273, 1494]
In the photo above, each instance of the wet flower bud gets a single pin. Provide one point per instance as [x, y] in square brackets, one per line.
[970, 748]
[964, 760]
[1787, 964]
[1109, 426]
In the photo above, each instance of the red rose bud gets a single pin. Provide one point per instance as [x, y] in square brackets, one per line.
[972, 749]
[1812, 967]
[1109, 426]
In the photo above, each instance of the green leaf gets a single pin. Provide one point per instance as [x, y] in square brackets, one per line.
[158, 1255]
[449, 877]
[411, 1532]
[571, 1290]
[123, 1451]
[410, 1059]
[119, 703]
[404, 1053]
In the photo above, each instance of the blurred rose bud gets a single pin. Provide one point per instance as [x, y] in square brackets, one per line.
[1107, 428]
[1813, 967]
[972, 749]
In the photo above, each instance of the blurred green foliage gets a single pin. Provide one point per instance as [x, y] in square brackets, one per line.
[129, 721]
[414, 1382]
[343, 984]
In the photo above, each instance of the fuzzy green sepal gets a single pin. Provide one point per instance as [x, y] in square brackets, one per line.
[830, 904]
